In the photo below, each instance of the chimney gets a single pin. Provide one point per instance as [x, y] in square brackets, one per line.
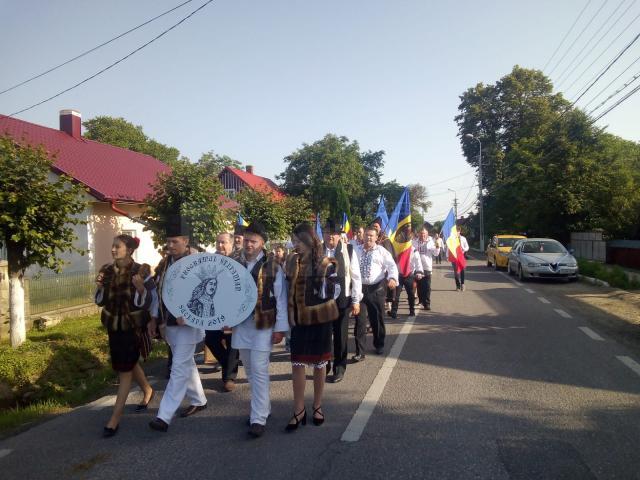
[249, 169]
[71, 122]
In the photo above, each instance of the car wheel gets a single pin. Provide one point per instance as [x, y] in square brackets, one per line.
[509, 272]
[521, 276]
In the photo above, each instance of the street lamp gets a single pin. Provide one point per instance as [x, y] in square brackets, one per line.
[468, 135]
[455, 203]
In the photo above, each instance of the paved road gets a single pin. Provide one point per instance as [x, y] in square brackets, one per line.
[503, 381]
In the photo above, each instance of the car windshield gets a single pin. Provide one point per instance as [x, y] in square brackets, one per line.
[507, 242]
[542, 246]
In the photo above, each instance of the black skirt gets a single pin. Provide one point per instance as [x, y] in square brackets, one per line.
[311, 344]
[124, 349]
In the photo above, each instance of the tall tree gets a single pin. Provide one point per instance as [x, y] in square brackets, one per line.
[190, 191]
[214, 163]
[279, 216]
[37, 215]
[121, 133]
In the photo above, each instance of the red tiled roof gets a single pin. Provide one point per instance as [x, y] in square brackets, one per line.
[257, 183]
[109, 172]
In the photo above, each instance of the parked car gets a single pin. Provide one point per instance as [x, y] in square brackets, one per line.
[499, 248]
[541, 258]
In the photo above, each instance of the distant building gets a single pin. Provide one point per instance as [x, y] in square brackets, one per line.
[235, 180]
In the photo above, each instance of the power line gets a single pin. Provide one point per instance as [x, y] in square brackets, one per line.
[560, 80]
[579, 35]
[615, 105]
[24, 82]
[610, 83]
[116, 62]
[624, 86]
[566, 35]
[616, 58]
[450, 178]
[603, 52]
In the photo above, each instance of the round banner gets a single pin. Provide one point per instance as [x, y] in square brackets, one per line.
[209, 291]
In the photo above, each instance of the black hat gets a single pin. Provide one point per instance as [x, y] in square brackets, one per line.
[331, 227]
[239, 229]
[258, 229]
[177, 226]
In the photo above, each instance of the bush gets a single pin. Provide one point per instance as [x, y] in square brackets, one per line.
[613, 275]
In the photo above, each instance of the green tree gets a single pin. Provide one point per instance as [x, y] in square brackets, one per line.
[121, 133]
[37, 216]
[214, 163]
[547, 170]
[278, 215]
[190, 191]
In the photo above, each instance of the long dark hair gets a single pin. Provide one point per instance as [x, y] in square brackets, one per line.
[306, 234]
[129, 241]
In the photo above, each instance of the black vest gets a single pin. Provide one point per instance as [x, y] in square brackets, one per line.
[344, 299]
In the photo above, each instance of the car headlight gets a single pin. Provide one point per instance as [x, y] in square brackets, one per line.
[572, 265]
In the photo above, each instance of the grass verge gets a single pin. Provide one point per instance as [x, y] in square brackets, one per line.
[612, 274]
[55, 370]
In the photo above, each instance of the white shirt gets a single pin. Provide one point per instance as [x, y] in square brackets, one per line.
[376, 264]
[246, 335]
[354, 272]
[426, 251]
[464, 244]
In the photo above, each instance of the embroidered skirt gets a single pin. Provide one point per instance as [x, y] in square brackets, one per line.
[311, 344]
[124, 349]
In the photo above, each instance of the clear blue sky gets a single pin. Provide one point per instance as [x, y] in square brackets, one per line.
[255, 79]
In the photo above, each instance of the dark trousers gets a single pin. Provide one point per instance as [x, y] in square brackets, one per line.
[407, 284]
[424, 289]
[438, 258]
[371, 307]
[340, 337]
[226, 356]
[458, 276]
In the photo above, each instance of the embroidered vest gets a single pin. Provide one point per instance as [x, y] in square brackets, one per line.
[305, 304]
[264, 274]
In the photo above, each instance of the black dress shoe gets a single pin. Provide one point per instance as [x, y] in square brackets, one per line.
[159, 425]
[358, 358]
[108, 432]
[190, 410]
[337, 377]
[427, 307]
[393, 314]
[379, 350]
[256, 430]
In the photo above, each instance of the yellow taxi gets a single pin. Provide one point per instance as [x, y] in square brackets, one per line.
[499, 248]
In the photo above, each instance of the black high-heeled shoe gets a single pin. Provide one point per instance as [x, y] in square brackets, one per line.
[318, 421]
[142, 407]
[293, 426]
[108, 432]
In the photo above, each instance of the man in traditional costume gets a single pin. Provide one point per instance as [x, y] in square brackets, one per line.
[428, 250]
[182, 339]
[266, 326]
[348, 301]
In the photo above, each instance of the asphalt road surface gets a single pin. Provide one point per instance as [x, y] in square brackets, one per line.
[502, 381]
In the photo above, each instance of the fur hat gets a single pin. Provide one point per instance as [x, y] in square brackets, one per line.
[258, 229]
[177, 226]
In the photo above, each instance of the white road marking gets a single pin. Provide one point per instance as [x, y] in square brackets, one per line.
[544, 300]
[360, 419]
[630, 362]
[562, 313]
[4, 452]
[591, 334]
[529, 290]
[508, 277]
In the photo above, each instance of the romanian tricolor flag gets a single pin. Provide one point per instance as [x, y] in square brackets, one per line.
[346, 226]
[450, 231]
[241, 221]
[382, 215]
[400, 237]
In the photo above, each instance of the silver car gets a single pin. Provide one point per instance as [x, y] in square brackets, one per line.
[541, 258]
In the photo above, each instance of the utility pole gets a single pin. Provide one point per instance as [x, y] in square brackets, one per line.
[480, 199]
[455, 203]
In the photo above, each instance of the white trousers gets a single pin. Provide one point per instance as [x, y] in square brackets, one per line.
[184, 381]
[256, 366]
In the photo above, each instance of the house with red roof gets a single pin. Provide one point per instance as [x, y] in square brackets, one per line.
[235, 180]
[117, 181]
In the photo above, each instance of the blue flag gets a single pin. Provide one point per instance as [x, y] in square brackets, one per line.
[318, 227]
[382, 215]
[241, 221]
